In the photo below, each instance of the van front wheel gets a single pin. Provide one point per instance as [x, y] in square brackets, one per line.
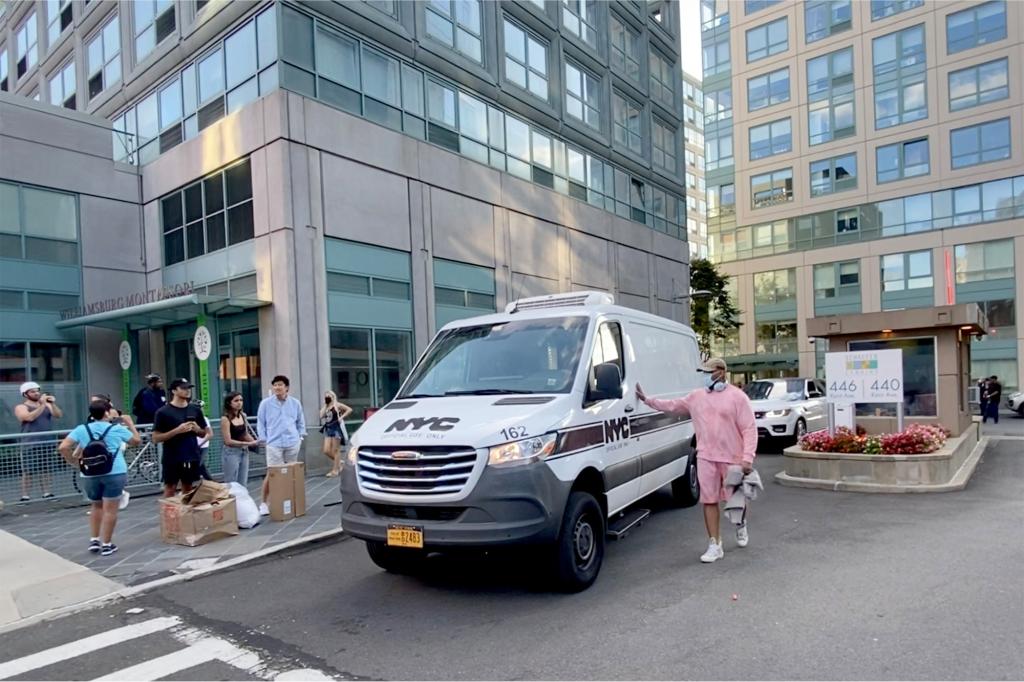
[580, 547]
[686, 488]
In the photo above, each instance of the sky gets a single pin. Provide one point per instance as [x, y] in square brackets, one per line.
[689, 14]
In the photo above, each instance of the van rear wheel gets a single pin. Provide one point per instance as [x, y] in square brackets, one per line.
[686, 488]
[395, 560]
[580, 547]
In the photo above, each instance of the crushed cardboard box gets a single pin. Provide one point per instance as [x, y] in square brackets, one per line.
[287, 498]
[205, 514]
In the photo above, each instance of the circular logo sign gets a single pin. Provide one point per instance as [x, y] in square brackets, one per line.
[202, 343]
[124, 354]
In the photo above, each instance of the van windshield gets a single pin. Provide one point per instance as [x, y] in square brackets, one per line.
[522, 356]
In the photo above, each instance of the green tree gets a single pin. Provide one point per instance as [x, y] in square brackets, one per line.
[713, 315]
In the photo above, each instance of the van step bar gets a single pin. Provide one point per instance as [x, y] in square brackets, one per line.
[621, 525]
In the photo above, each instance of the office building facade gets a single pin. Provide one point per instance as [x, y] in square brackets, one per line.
[317, 187]
[870, 158]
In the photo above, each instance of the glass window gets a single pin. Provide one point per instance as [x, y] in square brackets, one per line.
[716, 57]
[768, 39]
[104, 57]
[984, 261]
[774, 287]
[337, 58]
[833, 175]
[240, 55]
[625, 44]
[580, 18]
[583, 95]
[526, 60]
[63, 87]
[663, 147]
[823, 18]
[905, 271]
[627, 116]
[830, 93]
[751, 6]
[771, 138]
[771, 88]
[381, 78]
[771, 189]
[847, 220]
[979, 84]
[58, 18]
[55, 362]
[662, 79]
[27, 44]
[975, 26]
[456, 23]
[880, 9]
[919, 380]
[154, 21]
[899, 68]
[980, 143]
[832, 280]
[211, 76]
[718, 152]
[717, 105]
[49, 214]
[902, 160]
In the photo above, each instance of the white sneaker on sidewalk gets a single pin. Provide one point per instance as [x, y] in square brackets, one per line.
[742, 537]
[125, 497]
[714, 553]
[264, 509]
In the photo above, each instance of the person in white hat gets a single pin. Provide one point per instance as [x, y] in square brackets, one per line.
[36, 415]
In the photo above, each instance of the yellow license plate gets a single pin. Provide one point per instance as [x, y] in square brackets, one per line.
[405, 536]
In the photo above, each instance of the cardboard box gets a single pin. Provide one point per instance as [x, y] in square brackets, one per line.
[191, 525]
[206, 491]
[287, 498]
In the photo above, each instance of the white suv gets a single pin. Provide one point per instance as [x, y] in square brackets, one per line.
[1015, 401]
[788, 408]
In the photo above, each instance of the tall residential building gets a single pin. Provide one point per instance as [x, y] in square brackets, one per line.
[874, 161]
[315, 188]
[693, 135]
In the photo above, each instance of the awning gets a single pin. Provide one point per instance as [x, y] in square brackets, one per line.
[162, 313]
[754, 362]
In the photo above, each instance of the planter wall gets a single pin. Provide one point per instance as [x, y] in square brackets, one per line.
[934, 472]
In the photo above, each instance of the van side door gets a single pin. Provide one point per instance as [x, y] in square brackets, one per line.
[605, 404]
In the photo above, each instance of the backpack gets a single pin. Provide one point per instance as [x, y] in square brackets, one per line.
[97, 459]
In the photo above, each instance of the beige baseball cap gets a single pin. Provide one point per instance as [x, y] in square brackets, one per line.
[713, 364]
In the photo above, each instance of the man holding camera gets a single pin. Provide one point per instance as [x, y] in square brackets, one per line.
[36, 415]
[177, 425]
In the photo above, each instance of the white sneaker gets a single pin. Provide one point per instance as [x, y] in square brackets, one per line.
[125, 497]
[742, 537]
[264, 509]
[714, 553]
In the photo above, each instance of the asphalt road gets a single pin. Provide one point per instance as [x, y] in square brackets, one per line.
[832, 586]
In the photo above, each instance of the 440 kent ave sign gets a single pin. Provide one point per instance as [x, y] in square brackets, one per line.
[874, 376]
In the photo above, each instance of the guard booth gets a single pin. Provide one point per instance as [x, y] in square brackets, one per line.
[936, 345]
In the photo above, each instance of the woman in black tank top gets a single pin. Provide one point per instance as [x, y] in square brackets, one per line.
[238, 439]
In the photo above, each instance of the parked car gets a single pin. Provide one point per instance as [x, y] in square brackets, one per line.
[788, 408]
[523, 428]
[1015, 401]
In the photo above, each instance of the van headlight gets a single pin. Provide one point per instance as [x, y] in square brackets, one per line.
[524, 451]
[350, 457]
[779, 413]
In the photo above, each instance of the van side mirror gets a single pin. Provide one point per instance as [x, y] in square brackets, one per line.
[607, 383]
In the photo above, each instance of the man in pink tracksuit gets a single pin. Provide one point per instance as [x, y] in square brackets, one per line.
[726, 434]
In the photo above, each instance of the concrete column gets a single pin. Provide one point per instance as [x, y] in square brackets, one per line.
[421, 256]
[871, 284]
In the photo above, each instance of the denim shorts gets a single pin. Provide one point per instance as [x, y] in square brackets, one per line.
[106, 487]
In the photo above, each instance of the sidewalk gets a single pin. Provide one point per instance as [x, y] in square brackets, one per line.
[1010, 425]
[51, 563]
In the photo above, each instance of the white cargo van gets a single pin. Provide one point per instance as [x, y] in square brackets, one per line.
[523, 427]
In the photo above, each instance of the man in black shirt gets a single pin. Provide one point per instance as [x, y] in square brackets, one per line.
[993, 393]
[178, 425]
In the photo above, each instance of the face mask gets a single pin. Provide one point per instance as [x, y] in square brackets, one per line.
[714, 384]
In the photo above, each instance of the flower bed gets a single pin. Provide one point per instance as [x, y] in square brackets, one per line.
[916, 439]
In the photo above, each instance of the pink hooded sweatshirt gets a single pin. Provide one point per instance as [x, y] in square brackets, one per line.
[723, 420]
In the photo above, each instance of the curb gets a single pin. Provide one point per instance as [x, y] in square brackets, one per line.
[136, 590]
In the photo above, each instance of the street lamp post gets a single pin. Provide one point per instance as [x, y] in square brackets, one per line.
[699, 293]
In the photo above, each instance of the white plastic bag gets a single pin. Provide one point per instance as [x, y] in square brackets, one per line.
[245, 506]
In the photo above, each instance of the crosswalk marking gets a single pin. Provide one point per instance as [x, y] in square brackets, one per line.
[202, 651]
[85, 645]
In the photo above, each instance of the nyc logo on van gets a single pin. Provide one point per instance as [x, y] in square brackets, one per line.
[417, 423]
[616, 429]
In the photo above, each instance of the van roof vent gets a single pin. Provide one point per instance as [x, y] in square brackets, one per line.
[575, 298]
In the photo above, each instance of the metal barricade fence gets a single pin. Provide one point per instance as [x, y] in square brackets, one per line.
[32, 459]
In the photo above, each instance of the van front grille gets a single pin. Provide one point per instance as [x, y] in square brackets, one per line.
[415, 471]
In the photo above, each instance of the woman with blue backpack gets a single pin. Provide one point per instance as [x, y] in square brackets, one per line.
[97, 449]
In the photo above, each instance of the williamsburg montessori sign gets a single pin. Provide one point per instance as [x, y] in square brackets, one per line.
[137, 298]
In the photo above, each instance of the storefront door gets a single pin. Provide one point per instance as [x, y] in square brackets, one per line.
[240, 366]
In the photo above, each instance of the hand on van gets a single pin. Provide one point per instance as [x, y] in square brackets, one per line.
[640, 395]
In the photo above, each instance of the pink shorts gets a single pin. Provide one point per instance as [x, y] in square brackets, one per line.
[711, 476]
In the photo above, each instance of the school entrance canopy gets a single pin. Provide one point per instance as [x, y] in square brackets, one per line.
[162, 313]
